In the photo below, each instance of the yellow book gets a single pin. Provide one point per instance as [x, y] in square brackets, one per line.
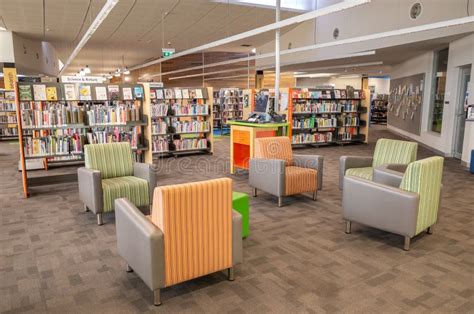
[51, 93]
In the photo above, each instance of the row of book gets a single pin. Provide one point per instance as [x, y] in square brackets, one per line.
[191, 126]
[322, 107]
[306, 138]
[190, 143]
[303, 123]
[159, 127]
[69, 132]
[54, 115]
[120, 114]
[159, 145]
[326, 122]
[7, 106]
[177, 93]
[159, 110]
[8, 132]
[327, 94]
[351, 121]
[190, 109]
[51, 145]
[8, 119]
[115, 135]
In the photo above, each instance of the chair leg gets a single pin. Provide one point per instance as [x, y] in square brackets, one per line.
[100, 221]
[129, 269]
[230, 274]
[280, 201]
[255, 192]
[406, 247]
[429, 230]
[348, 227]
[85, 208]
[157, 297]
[315, 195]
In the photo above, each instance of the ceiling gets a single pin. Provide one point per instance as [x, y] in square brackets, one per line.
[133, 30]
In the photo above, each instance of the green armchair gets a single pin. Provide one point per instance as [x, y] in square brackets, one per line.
[406, 206]
[110, 174]
[386, 152]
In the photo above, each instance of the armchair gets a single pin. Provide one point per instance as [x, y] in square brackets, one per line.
[386, 152]
[406, 209]
[275, 169]
[192, 232]
[110, 173]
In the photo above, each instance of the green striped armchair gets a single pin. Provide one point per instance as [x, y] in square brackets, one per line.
[407, 206]
[386, 152]
[110, 174]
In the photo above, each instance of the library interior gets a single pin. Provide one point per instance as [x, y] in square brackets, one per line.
[236, 156]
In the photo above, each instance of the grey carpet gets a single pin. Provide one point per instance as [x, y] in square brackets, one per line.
[54, 258]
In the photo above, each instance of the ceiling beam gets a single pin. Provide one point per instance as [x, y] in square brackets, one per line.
[108, 6]
[260, 30]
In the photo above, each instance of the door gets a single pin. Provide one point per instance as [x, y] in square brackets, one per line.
[460, 111]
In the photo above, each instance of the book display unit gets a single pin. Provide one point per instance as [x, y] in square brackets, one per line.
[378, 109]
[57, 120]
[228, 106]
[8, 120]
[327, 117]
[181, 121]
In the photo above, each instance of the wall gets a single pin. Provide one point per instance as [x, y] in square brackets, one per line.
[6, 47]
[355, 82]
[35, 57]
[460, 54]
[382, 85]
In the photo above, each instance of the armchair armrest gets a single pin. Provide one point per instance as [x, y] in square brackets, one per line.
[387, 175]
[380, 206]
[140, 243]
[347, 162]
[146, 172]
[237, 246]
[90, 189]
[267, 175]
[313, 162]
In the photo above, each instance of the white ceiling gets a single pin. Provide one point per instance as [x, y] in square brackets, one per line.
[133, 30]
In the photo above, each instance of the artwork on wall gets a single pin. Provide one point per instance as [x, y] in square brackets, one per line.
[405, 103]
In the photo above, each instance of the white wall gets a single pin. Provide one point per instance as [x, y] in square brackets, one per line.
[6, 47]
[382, 85]
[35, 57]
[338, 82]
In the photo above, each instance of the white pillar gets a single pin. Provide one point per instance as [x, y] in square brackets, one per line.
[277, 57]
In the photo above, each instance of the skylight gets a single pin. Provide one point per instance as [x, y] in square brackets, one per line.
[290, 5]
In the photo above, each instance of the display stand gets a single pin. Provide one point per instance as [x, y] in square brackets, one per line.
[242, 137]
[8, 120]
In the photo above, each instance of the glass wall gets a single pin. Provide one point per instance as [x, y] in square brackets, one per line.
[437, 93]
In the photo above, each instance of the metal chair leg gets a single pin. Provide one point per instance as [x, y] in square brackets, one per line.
[429, 230]
[230, 274]
[280, 201]
[129, 269]
[406, 247]
[100, 221]
[157, 297]
[255, 192]
[85, 208]
[348, 227]
[315, 195]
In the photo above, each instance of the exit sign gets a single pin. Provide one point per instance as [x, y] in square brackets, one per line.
[167, 52]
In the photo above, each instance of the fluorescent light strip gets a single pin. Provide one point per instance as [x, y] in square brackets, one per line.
[227, 77]
[356, 65]
[108, 6]
[290, 21]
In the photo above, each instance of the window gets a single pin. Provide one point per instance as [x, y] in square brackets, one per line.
[439, 85]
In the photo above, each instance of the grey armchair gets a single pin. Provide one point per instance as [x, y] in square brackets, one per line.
[402, 203]
[275, 170]
[109, 174]
[165, 249]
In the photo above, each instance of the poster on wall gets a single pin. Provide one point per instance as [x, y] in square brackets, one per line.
[405, 103]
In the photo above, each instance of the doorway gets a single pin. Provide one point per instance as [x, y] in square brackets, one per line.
[460, 117]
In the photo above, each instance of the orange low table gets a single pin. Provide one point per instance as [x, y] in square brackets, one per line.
[242, 135]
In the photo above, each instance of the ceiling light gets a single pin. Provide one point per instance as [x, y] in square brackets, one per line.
[2, 28]
[87, 70]
[117, 73]
[350, 76]
[109, 76]
[315, 75]
[126, 71]
[82, 72]
[254, 50]
[127, 78]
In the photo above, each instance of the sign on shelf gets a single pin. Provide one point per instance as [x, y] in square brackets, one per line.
[82, 79]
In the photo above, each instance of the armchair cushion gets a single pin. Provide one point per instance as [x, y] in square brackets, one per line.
[389, 151]
[364, 173]
[132, 188]
[274, 148]
[111, 159]
[300, 180]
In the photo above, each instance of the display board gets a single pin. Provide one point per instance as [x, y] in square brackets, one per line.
[405, 103]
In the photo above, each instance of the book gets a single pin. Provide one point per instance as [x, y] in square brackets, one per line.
[185, 93]
[178, 94]
[85, 92]
[114, 92]
[39, 91]
[169, 93]
[127, 93]
[70, 92]
[51, 93]
[25, 92]
[101, 93]
[159, 94]
[138, 92]
[152, 94]
[199, 93]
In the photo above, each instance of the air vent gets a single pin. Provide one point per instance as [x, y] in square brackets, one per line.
[415, 10]
[335, 33]
[245, 45]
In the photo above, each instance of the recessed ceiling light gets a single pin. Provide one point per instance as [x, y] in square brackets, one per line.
[48, 29]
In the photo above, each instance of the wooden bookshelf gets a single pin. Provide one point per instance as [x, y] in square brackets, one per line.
[55, 121]
[8, 119]
[180, 121]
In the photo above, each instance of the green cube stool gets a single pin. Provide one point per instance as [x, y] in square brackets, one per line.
[240, 202]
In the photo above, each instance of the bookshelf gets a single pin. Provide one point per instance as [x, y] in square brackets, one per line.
[378, 109]
[57, 120]
[227, 106]
[8, 119]
[328, 117]
[180, 121]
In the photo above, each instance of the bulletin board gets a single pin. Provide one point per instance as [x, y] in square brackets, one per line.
[405, 103]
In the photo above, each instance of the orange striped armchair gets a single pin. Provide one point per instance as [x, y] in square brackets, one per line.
[192, 232]
[276, 170]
